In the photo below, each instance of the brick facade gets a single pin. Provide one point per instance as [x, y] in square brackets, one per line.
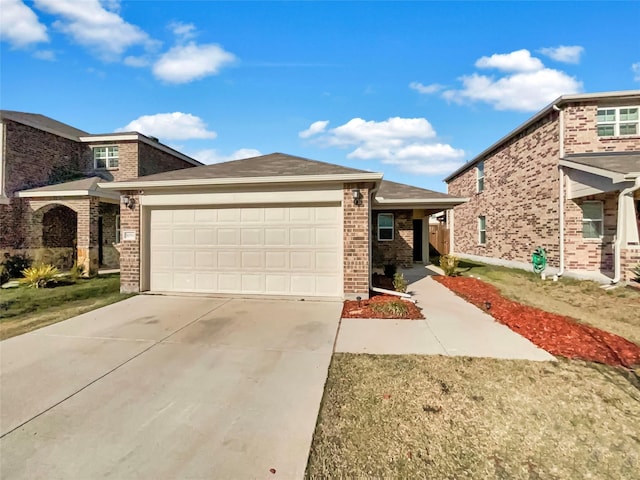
[130, 249]
[521, 195]
[35, 158]
[356, 241]
[398, 251]
[519, 200]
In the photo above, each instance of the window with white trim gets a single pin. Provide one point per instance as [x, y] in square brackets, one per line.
[482, 230]
[592, 219]
[117, 228]
[106, 158]
[385, 226]
[618, 121]
[480, 177]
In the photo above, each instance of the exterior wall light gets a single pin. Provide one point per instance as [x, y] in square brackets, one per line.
[357, 196]
[128, 201]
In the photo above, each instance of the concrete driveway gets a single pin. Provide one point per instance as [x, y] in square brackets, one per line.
[167, 387]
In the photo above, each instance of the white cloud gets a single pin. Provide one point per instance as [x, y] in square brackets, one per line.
[171, 126]
[408, 143]
[183, 31]
[518, 61]
[185, 63]
[315, 128]
[635, 68]
[426, 89]
[97, 28]
[19, 25]
[564, 53]
[210, 155]
[529, 87]
[137, 61]
[48, 55]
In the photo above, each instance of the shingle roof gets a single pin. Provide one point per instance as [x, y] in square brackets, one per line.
[272, 165]
[42, 123]
[399, 191]
[613, 162]
[90, 183]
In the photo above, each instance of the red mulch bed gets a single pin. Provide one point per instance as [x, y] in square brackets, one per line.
[351, 308]
[557, 334]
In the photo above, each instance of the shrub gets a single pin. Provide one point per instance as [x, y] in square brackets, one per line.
[4, 275]
[636, 272]
[40, 276]
[399, 283]
[449, 264]
[15, 264]
[76, 271]
[394, 308]
[390, 270]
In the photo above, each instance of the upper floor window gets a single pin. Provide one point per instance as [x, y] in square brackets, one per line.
[480, 177]
[106, 157]
[385, 226]
[618, 121]
[592, 219]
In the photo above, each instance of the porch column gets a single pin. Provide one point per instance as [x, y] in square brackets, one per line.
[88, 214]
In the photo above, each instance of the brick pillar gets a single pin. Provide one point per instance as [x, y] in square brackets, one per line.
[356, 241]
[130, 248]
[88, 213]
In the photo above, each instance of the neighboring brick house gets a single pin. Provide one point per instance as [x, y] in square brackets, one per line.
[568, 180]
[51, 206]
[274, 225]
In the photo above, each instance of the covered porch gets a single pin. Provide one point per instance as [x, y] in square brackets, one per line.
[73, 222]
[602, 213]
[401, 232]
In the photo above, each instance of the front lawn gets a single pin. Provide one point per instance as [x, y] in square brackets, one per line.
[616, 311]
[24, 309]
[457, 417]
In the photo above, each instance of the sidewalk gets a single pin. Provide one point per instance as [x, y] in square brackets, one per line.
[451, 327]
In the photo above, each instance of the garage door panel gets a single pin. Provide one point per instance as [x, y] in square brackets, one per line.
[253, 250]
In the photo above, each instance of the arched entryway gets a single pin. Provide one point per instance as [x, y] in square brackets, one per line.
[59, 235]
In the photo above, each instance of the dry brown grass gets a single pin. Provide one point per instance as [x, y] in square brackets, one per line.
[455, 417]
[616, 311]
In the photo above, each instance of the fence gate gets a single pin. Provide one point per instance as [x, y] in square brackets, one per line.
[439, 238]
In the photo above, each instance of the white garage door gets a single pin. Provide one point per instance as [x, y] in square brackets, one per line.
[254, 250]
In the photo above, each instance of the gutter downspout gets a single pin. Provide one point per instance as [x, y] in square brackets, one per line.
[562, 192]
[372, 195]
[621, 229]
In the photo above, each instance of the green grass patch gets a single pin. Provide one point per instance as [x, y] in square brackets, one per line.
[616, 311]
[24, 309]
[456, 417]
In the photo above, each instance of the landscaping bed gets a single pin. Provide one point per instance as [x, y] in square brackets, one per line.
[381, 306]
[557, 334]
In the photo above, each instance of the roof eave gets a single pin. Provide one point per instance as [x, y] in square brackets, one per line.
[615, 176]
[561, 100]
[203, 182]
[418, 203]
[68, 193]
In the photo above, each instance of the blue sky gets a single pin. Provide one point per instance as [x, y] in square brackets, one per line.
[411, 89]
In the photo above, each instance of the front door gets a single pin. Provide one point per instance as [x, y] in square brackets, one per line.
[417, 240]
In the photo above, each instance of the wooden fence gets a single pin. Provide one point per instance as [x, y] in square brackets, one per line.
[439, 238]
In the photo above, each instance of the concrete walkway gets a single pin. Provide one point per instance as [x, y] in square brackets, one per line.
[452, 327]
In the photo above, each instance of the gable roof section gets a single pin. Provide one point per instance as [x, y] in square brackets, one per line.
[633, 95]
[392, 195]
[84, 187]
[43, 123]
[272, 168]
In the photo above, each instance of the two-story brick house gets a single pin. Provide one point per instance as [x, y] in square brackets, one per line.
[51, 206]
[568, 180]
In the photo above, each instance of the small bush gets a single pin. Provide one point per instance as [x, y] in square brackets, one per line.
[390, 270]
[449, 264]
[394, 308]
[76, 271]
[399, 283]
[40, 276]
[15, 264]
[636, 272]
[4, 275]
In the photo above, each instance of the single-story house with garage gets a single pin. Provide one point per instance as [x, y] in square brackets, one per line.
[275, 225]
